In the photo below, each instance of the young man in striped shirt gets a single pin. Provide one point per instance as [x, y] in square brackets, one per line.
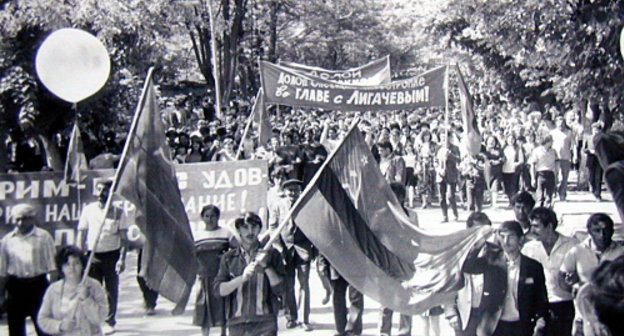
[250, 280]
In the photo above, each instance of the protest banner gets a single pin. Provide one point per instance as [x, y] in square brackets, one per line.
[373, 73]
[287, 87]
[233, 186]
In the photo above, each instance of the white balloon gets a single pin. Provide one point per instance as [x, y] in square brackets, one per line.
[72, 64]
[622, 42]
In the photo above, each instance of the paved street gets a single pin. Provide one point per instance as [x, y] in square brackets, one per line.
[573, 213]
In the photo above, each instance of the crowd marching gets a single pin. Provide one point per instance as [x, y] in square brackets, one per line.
[529, 279]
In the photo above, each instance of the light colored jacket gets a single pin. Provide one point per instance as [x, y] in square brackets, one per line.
[90, 313]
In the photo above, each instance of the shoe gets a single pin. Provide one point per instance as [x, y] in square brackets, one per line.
[291, 324]
[150, 311]
[307, 326]
[445, 220]
[326, 298]
[108, 329]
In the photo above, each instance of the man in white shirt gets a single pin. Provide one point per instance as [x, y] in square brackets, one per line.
[26, 260]
[549, 249]
[562, 143]
[544, 161]
[109, 252]
[582, 260]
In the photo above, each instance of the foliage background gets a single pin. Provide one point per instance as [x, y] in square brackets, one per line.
[563, 53]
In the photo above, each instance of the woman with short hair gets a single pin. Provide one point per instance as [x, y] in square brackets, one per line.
[70, 307]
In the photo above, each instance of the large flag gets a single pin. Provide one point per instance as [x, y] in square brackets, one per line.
[76, 160]
[261, 118]
[472, 137]
[350, 213]
[147, 179]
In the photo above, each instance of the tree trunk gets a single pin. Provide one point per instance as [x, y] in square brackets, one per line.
[52, 155]
[4, 159]
[272, 52]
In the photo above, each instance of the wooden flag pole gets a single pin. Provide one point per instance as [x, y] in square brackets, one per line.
[446, 100]
[78, 198]
[247, 127]
[122, 161]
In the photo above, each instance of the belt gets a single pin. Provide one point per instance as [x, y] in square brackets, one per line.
[28, 279]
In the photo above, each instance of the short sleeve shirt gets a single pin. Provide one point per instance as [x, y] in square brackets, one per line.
[562, 143]
[584, 258]
[27, 256]
[551, 263]
[543, 159]
[91, 219]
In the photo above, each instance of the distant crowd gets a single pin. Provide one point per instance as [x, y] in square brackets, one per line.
[528, 279]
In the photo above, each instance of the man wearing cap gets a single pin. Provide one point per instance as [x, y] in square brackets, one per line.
[110, 252]
[297, 252]
[26, 257]
[514, 301]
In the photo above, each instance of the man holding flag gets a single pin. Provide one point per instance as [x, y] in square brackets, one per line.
[349, 212]
[109, 248]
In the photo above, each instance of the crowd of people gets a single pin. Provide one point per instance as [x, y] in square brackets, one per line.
[527, 279]
[522, 149]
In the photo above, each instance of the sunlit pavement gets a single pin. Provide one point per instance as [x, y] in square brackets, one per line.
[572, 214]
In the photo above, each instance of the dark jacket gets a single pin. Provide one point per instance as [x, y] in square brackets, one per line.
[532, 297]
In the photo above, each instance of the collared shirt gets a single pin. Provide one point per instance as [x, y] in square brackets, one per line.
[477, 289]
[91, 219]
[551, 263]
[543, 159]
[27, 256]
[510, 304]
[255, 300]
[584, 258]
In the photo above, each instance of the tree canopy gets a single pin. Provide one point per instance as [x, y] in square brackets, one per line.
[564, 52]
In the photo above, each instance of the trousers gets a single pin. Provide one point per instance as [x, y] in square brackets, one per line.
[347, 320]
[24, 296]
[103, 270]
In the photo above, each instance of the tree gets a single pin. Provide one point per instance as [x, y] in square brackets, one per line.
[131, 30]
[532, 49]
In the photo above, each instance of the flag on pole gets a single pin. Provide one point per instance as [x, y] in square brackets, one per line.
[261, 118]
[472, 137]
[348, 211]
[147, 179]
[76, 159]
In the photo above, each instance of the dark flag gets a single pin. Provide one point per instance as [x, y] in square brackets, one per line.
[348, 211]
[147, 179]
[261, 119]
[472, 137]
[76, 159]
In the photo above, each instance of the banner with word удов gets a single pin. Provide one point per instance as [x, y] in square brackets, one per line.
[287, 87]
[234, 187]
[373, 73]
